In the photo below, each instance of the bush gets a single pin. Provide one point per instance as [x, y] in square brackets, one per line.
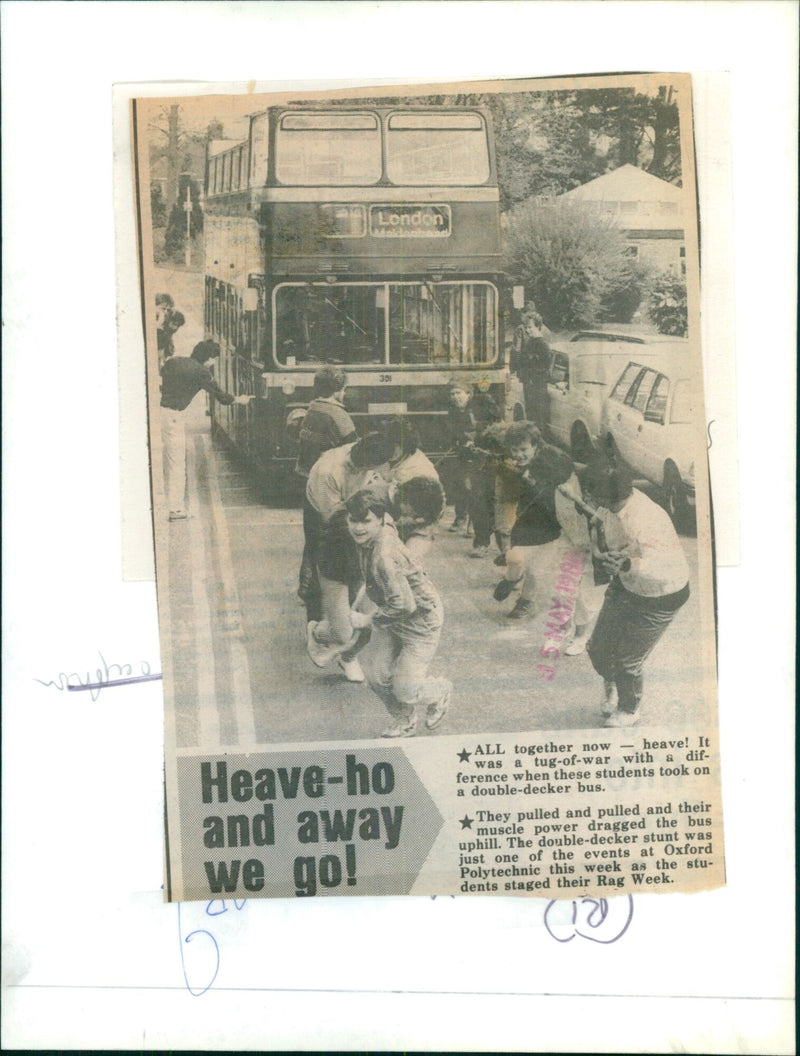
[175, 236]
[571, 259]
[621, 303]
[158, 207]
[666, 304]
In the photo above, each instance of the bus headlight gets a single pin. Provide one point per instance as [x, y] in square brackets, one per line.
[288, 388]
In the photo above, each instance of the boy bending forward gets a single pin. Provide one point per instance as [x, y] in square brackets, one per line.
[406, 623]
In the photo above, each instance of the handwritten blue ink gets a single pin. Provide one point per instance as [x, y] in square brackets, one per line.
[223, 908]
[193, 934]
[594, 914]
[215, 908]
[108, 675]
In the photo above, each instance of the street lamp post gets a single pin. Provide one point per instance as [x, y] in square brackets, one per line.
[187, 208]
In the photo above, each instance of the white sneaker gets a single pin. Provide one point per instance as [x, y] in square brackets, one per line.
[404, 728]
[319, 654]
[577, 646]
[622, 719]
[437, 711]
[609, 703]
[351, 669]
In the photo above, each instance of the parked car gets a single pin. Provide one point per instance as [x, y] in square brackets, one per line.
[580, 380]
[649, 420]
[582, 371]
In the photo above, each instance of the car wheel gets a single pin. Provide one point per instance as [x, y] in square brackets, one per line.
[581, 448]
[611, 450]
[675, 496]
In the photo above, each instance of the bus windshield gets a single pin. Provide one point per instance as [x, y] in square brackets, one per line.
[328, 149]
[441, 149]
[413, 324]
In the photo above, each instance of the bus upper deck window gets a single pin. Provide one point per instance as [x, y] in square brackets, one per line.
[322, 148]
[437, 148]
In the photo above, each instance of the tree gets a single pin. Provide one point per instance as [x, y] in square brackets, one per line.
[175, 234]
[666, 304]
[641, 130]
[570, 258]
[214, 130]
[158, 207]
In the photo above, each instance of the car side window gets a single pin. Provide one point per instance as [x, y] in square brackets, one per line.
[657, 404]
[624, 384]
[643, 390]
[559, 371]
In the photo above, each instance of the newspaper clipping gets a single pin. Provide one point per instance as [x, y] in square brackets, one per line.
[430, 489]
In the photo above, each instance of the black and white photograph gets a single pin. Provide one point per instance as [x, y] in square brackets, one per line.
[430, 412]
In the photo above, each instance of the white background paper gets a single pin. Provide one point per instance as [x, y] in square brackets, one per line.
[91, 957]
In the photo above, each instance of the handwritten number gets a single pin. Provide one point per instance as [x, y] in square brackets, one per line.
[600, 911]
[592, 919]
[217, 906]
[192, 934]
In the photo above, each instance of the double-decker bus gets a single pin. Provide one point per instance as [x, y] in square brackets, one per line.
[365, 236]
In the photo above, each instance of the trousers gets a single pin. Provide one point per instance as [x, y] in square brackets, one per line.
[398, 670]
[173, 438]
[627, 630]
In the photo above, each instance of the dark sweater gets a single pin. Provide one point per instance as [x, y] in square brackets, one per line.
[326, 424]
[182, 378]
[536, 520]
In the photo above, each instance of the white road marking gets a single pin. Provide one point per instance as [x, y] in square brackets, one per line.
[204, 665]
[231, 617]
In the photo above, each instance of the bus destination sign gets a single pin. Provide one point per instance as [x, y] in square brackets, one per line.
[409, 221]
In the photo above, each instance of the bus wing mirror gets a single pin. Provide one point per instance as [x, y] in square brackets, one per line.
[518, 295]
[250, 300]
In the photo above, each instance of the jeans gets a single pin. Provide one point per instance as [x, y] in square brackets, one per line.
[481, 504]
[398, 665]
[627, 630]
[460, 487]
[308, 581]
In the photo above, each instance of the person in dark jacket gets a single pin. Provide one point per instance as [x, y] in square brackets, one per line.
[326, 424]
[532, 366]
[169, 321]
[473, 483]
[182, 377]
[542, 468]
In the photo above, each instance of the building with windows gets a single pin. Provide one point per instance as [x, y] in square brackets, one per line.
[649, 210]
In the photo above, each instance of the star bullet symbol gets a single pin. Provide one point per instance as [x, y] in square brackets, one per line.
[464, 755]
[466, 822]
